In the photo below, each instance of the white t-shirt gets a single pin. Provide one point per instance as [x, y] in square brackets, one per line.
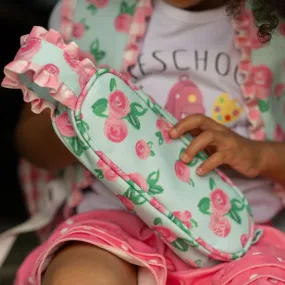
[189, 64]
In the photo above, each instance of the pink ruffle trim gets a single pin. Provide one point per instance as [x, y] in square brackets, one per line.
[137, 31]
[243, 41]
[46, 76]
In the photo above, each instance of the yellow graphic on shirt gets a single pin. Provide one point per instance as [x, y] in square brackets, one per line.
[226, 110]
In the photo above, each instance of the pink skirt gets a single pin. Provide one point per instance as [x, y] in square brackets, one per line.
[126, 236]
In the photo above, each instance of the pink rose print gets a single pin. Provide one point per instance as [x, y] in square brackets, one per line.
[128, 203]
[110, 175]
[29, 48]
[220, 201]
[64, 125]
[142, 149]
[52, 69]
[123, 23]
[119, 104]
[279, 134]
[282, 29]
[243, 239]
[182, 171]
[165, 233]
[139, 180]
[220, 225]
[115, 130]
[279, 90]
[156, 204]
[166, 137]
[99, 3]
[104, 161]
[78, 30]
[184, 217]
[262, 76]
[161, 124]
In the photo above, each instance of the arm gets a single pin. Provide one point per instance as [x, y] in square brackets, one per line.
[37, 142]
[273, 165]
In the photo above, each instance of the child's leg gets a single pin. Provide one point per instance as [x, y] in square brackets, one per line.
[84, 264]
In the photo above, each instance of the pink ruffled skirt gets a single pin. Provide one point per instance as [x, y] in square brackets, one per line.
[126, 236]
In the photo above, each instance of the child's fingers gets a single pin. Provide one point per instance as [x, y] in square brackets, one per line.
[193, 122]
[200, 143]
[214, 161]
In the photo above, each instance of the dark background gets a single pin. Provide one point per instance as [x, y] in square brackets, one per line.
[17, 17]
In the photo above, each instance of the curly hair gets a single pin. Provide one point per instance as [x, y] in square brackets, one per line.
[267, 14]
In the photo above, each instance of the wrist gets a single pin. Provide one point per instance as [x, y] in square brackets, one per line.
[268, 157]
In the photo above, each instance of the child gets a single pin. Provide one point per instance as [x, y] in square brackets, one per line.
[189, 63]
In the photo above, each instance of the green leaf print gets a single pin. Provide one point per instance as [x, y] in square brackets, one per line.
[198, 262]
[83, 127]
[132, 9]
[134, 121]
[155, 190]
[237, 205]
[113, 84]
[182, 151]
[76, 145]
[263, 106]
[212, 183]
[126, 9]
[137, 109]
[234, 216]
[99, 107]
[202, 156]
[257, 235]
[99, 173]
[194, 223]
[160, 138]
[153, 178]
[92, 8]
[135, 197]
[193, 162]
[157, 222]
[180, 244]
[178, 223]
[96, 52]
[83, 21]
[150, 144]
[204, 206]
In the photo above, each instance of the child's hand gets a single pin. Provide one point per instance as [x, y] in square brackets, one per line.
[223, 145]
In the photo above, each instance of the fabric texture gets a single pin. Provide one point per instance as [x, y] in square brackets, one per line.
[99, 115]
[129, 238]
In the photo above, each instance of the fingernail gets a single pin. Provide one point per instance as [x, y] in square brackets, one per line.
[200, 171]
[185, 158]
[173, 133]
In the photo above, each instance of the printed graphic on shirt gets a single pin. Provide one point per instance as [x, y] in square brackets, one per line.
[226, 110]
[185, 99]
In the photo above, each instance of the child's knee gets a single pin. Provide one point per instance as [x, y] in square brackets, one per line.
[88, 265]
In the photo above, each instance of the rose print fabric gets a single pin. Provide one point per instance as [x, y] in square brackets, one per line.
[128, 237]
[106, 117]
